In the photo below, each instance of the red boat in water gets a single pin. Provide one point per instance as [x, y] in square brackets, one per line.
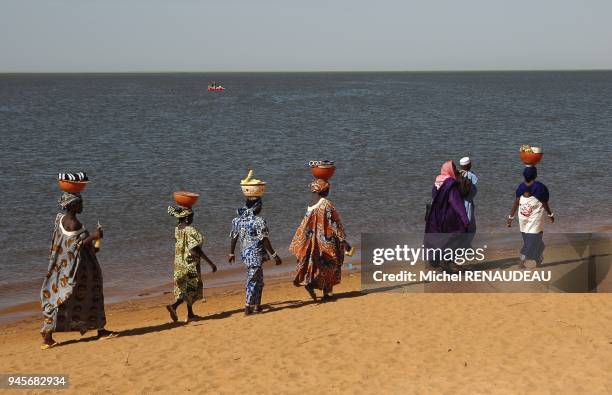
[213, 86]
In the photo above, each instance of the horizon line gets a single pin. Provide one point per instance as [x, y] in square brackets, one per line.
[305, 71]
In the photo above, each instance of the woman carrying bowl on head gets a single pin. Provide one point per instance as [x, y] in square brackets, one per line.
[531, 202]
[252, 232]
[72, 295]
[319, 244]
[188, 286]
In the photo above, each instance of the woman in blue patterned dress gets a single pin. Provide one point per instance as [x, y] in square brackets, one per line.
[252, 232]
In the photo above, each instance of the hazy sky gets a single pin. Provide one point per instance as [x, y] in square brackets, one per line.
[237, 35]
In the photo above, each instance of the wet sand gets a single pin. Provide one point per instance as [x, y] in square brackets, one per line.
[361, 343]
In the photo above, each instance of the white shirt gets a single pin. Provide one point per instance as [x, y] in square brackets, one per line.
[531, 215]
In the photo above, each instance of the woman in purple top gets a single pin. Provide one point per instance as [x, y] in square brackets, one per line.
[531, 203]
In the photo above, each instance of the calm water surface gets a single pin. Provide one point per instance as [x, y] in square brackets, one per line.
[140, 137]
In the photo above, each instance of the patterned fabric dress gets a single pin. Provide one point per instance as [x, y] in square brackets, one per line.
[188, 284]
[316, 245]
[72, 296]
[251, 230]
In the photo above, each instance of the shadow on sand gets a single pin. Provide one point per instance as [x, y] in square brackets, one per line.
[267, 309]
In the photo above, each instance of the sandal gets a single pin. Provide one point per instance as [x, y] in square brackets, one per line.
[46, 346]
[107, 335]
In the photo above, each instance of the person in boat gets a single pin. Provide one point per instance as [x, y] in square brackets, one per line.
[531, 202]
[72, 296]
[446, 221]
[252, 232]
[188, 285]
[319, 244]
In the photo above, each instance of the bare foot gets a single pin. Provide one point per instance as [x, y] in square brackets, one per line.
[172, 312]
[327, 297]
[193, 317]
[311, 292]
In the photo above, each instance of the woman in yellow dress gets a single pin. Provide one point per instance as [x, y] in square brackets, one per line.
[188, 286]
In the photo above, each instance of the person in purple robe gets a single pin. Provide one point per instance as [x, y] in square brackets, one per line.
[446, 221]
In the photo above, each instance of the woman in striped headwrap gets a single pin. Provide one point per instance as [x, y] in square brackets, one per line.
[72, 297]
[319, 244]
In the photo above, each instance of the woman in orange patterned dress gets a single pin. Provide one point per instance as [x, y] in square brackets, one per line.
[319, 244]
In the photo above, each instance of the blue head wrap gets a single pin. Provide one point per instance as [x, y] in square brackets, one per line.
[250, 207]
[530, 173]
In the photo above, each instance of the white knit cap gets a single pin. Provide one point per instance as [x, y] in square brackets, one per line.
[465, 161]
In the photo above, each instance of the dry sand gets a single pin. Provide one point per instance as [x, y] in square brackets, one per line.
[361, 343]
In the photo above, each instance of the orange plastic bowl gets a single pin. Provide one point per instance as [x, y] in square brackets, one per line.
[531, 158]
[72, 186]
[323, 172]
[185, 199]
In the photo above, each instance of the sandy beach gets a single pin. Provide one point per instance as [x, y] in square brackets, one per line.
[361, 343]
[437, 171]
